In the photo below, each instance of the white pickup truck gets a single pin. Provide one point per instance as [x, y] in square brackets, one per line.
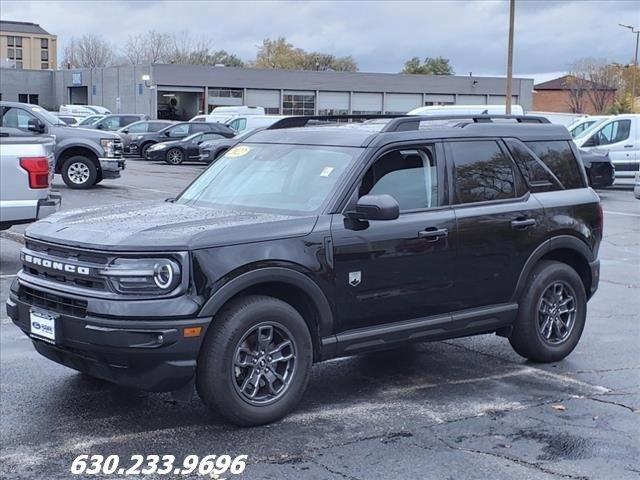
[26, 171]
[619, 136]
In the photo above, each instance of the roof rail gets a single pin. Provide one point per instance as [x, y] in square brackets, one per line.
[412, 122]
[303, 120]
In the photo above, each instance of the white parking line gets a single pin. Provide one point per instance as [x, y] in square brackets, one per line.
[611, 212]
[7, 276]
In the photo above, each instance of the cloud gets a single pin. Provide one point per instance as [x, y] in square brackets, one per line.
[379, 35]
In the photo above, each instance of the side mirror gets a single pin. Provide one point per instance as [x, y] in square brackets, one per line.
[126, 130]
[100, 126]
[167, 134]
[35, 126]
[376, 207]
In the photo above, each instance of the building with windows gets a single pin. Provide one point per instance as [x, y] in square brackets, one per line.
[26, 45]
[180, 92]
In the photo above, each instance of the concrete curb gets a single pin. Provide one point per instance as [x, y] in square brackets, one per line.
[14, 236]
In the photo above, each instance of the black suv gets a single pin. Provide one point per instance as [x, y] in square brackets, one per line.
[307, 242]
[140, 143]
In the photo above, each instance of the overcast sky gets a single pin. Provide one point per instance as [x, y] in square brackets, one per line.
[379, 35]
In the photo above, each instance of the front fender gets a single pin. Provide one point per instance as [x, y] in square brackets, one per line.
[267, 275]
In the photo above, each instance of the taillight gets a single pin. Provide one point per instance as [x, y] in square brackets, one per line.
[38, 170]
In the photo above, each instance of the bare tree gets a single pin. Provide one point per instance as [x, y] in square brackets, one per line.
[152, 47]
[88, 51]
[605, 80]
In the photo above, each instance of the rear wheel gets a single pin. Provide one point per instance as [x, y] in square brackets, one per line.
[174, 156]
[79, 172]
[254, 364]
[144, 148]
[552, 313]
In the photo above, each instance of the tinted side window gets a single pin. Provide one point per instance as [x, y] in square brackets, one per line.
[200, 127]
[410, 176]
[209, 136]
[126, 120]
[557, 155]
[179, 130]
[482, 172]
[16, 118]
[138, 128]
[533, 170]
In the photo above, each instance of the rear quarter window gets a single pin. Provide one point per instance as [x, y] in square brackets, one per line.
[558, 156]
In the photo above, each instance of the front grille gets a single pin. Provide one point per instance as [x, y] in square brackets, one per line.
[55, 253]
[117, 148]
[52, 301]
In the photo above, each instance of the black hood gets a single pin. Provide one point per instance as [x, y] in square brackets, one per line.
[157, 226]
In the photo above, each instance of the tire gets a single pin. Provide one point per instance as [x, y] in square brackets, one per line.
[174, 156]
[233, 334]
[546, 330]
[79, 172]
[143, 150]
[99, 178]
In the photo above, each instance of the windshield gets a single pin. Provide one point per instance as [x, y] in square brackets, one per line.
[192, 137]
[293, 179]
[91, 120]
[590, 129]
[49, 117]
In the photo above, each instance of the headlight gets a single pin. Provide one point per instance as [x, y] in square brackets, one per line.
[158, 146]
[144, 275]
[107, 146]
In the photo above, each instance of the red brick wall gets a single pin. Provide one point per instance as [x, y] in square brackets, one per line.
[558, 101]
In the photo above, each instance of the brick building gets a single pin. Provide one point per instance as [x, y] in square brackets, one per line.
[568, 94]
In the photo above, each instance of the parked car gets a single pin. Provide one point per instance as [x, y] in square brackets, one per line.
[620, 137]
[83, 157]
[211, 150]
[242, 123]
[304, 244]
[466, 110]
[178, 130]
[600, 171]
[113, 123]
[177, 151]
[83, 110]
[26, 170]
[69, 119]
[582, 125]
[142, 126]
[90, 120]
[220, 114]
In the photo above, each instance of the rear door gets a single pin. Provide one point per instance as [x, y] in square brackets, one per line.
[499, 222]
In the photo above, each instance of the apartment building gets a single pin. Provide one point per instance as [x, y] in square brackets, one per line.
[28, 46]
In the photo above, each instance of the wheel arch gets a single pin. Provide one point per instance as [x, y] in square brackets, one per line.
[73, 150]
[565, 249]
[290, 286]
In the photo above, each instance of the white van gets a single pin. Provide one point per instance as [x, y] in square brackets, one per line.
[221, 114]
[242, 123]
[466, 110]
[582, 125]
[83, 110]
[620, 137]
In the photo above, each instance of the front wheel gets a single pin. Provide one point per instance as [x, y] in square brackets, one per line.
[255, 361]
[174, 156]
[552, 313]
[79, 172]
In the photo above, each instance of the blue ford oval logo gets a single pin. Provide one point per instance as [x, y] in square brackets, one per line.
[36, 325]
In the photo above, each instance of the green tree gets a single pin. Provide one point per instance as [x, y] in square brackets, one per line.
[281, 54]
[430, 66]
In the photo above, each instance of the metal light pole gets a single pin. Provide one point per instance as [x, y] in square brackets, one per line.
[635, 66]
[512, 8]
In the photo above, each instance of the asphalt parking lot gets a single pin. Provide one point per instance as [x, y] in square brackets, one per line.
[460, 409]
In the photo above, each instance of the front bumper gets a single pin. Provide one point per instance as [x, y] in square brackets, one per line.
[157, 155]
[151, 355]
[111, 167]
[49, 205]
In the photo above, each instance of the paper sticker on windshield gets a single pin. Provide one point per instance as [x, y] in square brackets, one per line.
[326, 171]
[238, 151]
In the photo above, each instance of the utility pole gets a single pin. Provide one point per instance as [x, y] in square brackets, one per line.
[634, 72]
[512, 8]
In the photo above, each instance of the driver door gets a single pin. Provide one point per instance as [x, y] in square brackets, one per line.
[394, 270]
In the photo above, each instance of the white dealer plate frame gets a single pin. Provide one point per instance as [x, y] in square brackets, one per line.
[43, 325]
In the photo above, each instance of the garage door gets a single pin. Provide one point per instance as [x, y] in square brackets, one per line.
[367, 102]
[438, 98]
[402, 102]
[263, 98]
[472, 100]
[501, 100]
[333, 101]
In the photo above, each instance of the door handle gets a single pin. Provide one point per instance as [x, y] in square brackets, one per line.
[433, 234]
[523, 223]
[628, 146]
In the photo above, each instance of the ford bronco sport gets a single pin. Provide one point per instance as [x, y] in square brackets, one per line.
[312, 241]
